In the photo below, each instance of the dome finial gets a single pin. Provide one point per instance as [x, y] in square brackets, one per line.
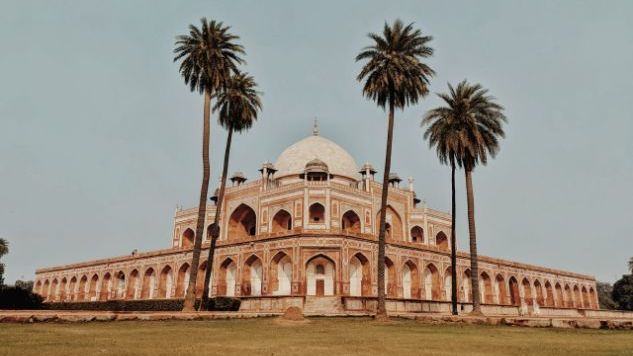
[315, 129]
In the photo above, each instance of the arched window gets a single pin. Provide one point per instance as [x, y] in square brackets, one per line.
[242, 222]
[393, 227]
[317, 213]
[500, 290]
[485, 288]
[165, 283]
[281, 273]
[252, 276]
[515, 296]
[441, 241]
[359, 276]
[183, 280]
[431, 283]
[390, 279]
[549, 292]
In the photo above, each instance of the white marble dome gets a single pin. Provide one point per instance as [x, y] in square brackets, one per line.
[293, 159]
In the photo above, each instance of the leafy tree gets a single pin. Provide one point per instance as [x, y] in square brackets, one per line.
[394, 77]
[631, 265]
[237, 106]
[475, 124]
[208, 55]
[4, 249]
[623, 292]
[604, 291]
[26, 285]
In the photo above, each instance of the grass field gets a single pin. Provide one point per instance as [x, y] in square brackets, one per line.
[331, 337]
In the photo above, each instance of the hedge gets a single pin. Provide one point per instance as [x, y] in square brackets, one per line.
[18, 298]
[215, 304]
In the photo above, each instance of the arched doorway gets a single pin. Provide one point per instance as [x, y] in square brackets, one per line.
[106, 287]
[417, 234]
[134, 285]
[82, 293]
[515, 295]
[120, 285]
[549, 293]
[467, 286]
[183, 280]
[592, 299]
[538, 289]
[165, 283]
[63, 285]
[242, 223]
[227, 278]
[320, 276]
[148, 291]
[93, 288]
[393, 227]
[485, 288]
[281, 222]
[500, 290]
[441, 241]
[359, 276]
[410, 281]
[390, 279]
[560, 296]
[585, 298]
[569, 298]
[252, 276]
[281, 274]
[54, 291]
[350, 222]
[431, 283]
[527, 291]
[577, 297]
[72, 289]
[448, 283]
[187, 239]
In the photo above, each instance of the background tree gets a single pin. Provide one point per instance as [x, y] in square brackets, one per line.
[208, 55]
[237, 106]
[623, 292]
[631, 265]
[604, 291]
[478, 121]
[443, 134]
[4, 249]
[394, 77]
[26, 285]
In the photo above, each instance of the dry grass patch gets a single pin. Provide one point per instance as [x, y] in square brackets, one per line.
[321, 336]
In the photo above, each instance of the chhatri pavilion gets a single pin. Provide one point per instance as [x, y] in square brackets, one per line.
[305, 234]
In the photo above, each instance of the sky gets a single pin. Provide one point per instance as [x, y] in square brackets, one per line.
[100, 137]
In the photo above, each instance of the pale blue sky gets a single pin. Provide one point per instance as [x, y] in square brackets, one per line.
[100, 138]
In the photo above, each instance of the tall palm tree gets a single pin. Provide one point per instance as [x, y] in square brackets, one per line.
[394, 77]
[631, 265]
[237, 106]
[207, 55]
[443, 135]
[476, 124]
[4, 249]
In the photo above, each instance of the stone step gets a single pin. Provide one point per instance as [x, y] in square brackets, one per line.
[322, 305]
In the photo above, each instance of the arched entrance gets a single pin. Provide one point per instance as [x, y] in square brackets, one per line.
[441, 241]
[560, 297]
[393, 227]
[165, 283]
[317, 213]
[431, 283]
[227, 278]
[390, 279]
[417, 234]
[134, 285]
[252, 276]
[410, 281]
[515, 295]
[148, 290]
[359, 276]
[281, 274]
[120, 285]
[187, 239]
[72, 286]
[93, 288]
[106, 287]
[466, 286]
[320, 276]
[485, 287]
[549, 292]
[242, 223]
[500, 290]
[448, 283]
[538, 289]
[183, 280]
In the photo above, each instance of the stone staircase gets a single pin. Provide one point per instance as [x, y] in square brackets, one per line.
[323, 306]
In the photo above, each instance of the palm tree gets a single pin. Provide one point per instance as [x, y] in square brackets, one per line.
[631, 265]
[237, 106]
[208, 55]
[394, 77]
[476, 124]
[4, 249]
[442, 135]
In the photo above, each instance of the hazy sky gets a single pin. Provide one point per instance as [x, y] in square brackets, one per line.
[100, 138]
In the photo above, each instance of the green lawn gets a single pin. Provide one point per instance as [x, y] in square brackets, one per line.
[336, 336]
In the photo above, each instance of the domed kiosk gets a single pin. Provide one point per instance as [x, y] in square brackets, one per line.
[304, 234]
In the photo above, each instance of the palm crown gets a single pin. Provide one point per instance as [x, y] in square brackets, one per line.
[394, 73]
[467, 130]
[238, 103]
[209, 54]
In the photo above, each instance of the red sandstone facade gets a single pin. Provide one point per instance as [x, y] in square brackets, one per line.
[307, 231]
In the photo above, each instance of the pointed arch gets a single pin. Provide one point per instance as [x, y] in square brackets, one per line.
[527, 291]
[560, 296]
[350, 222]
[72, 289]
[592, 298]
[320, 276]
[187, 239]
[106, 286]
[467, 286]
[317, 213]
[120, 285]
[569, 298]
[183, 280]
[202, 270]
[500, 290]
[134, 285]
[93, 288]
[166, 282]
[538, 289]
[441, 241]
[393, 225]
[82, 292]
[53, 294]
[63, 286]
[417, 234]
[585, 298]
[242, 222]
[549, 293]
[359, 275]
[485, 288]
[281, 222]
[431, 283]
[577, 298]
[252, 276]
[515, 295]
[281, 274]
[391, 281]
[148, 289]
[227, 277]
[45, 289]
[448, 283]
[410, 280]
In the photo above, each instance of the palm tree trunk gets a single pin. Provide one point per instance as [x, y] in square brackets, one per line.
[381, 313]
[474, 266]
[215, 231]
[190, 296]
[453, 245]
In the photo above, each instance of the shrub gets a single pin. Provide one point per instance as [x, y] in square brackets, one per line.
[215, 304]
[18, 298]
